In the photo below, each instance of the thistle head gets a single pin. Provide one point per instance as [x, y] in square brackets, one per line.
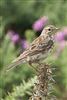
[50, 30]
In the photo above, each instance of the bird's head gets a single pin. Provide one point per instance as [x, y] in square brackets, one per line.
[49, 30]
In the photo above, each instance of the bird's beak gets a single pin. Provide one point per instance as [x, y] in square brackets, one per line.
[57, 29]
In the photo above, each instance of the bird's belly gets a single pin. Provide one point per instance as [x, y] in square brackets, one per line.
[40, 56]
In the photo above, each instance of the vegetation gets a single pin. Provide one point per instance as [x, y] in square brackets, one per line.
[17, 31]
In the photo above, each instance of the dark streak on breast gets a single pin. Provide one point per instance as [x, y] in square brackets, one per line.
[50, 44]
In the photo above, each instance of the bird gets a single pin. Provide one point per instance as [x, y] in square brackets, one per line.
[38, 50]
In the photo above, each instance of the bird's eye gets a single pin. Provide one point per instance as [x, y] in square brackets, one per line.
[49, 29]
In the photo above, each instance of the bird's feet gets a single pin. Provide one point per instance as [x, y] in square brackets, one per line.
[35, 68]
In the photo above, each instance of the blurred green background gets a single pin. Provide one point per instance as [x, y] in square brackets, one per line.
[21, 21]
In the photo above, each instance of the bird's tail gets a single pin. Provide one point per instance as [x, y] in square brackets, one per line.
[15, 63]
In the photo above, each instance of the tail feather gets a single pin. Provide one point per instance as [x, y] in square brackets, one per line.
[14, 64]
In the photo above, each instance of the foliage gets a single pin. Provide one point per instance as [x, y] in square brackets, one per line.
[22, 90]
[8, 53]
[19, 16]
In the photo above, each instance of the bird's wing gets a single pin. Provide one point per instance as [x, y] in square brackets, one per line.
[33, 48]
[40, 45]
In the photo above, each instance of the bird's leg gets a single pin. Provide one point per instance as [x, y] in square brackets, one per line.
[30, 63]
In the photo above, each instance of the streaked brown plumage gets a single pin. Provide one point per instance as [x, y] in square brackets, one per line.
[39, 48]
